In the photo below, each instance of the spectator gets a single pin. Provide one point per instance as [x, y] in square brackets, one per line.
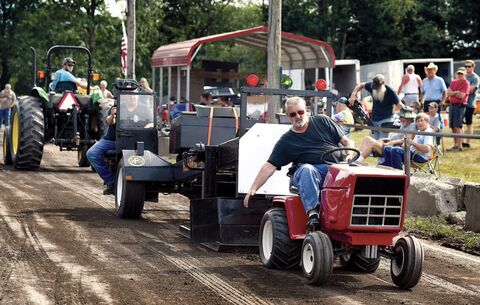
[105, 92]
[343, 114]
[420, 146]
[65, 75]
[304, 145]
[206, 98]
[457, 94]
[370, 145]
[144, 86]
[7, 102]
[224, 101]
[411, 84]
[384, 98]
[434, 88]
[472, 78]
[435, 117]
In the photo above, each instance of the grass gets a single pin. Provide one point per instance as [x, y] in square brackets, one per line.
[437, 228]
[465, 164]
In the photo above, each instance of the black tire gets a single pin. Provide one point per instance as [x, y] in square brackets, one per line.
[27, 133]
[7, 150]
[317, 258]
[129, 195]
[82, 156]
[406, 267]
[277, 250]
[354, 261]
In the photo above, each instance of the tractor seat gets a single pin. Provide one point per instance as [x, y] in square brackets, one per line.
[61, 87]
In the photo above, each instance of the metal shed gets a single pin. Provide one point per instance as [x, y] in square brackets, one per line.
[298, 52]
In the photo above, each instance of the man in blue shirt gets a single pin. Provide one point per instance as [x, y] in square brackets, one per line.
[434, 88]
[65, 75]
[384, 97]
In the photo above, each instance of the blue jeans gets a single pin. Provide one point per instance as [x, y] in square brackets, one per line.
[96, 157]
[380, 134]
[394, 156]
[5, 116]
[308, 179]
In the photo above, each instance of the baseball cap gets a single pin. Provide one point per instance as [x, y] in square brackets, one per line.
[68, 61]
[342, 100]
[462, 70]
[406, 113]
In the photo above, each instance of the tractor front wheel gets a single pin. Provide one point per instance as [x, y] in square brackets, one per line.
[82, 156]
[317, 258]
[406, 266]
[354, 261]
[7, 152]
[277, 250]
[129, 195]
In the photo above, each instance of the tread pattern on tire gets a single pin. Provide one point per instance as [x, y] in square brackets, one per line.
[323, 249]
[286, 253]
[412, 271]
[133, 197]
[31, 133]
[362, 264]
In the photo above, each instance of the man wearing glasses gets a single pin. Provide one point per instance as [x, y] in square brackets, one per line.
[64, 75]
[457, 94]
[303, 145]
[472, 78]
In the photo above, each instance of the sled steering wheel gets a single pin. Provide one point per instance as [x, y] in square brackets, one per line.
[331, 154]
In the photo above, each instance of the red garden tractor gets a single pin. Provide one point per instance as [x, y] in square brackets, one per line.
[362, 213]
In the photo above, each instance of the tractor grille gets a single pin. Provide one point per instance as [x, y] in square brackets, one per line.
[376, 210]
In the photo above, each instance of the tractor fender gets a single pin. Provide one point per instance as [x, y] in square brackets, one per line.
[296, 215]
[40, 93]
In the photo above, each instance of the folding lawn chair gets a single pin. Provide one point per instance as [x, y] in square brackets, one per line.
[432, 165]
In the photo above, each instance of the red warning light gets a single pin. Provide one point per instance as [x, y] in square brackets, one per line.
[321, 84]
[252, 80]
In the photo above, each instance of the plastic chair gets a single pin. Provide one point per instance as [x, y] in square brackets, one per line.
[431, 166]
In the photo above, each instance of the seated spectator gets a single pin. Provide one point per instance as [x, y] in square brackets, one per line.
[370, 145]
[435, 116]
[206, 98]
[184, 105]
[224, 101]
[343, 115]
[420, 146]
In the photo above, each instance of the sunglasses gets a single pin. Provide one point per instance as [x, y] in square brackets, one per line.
[71, 65]
[468, 66]
[459, 73]
[294, 114]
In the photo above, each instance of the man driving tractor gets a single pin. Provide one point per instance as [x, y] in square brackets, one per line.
[65, 75]
[304, 145]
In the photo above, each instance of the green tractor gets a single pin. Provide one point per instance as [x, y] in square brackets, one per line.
[66, 117]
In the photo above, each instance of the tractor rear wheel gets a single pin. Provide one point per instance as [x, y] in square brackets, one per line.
[354, 261]
[27, 133]
[317, 258]
[82, 156]
[7, 151]
[129, 195]
[406, 266]
[277, 250]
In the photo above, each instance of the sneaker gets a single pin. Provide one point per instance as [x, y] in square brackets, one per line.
[313, 223]
[109, 190]
[453, 148]
[466, 145]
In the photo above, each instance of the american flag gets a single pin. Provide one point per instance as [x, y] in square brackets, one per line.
[124, 51]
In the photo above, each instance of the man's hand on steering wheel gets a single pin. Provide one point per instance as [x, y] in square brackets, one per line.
[352, 155]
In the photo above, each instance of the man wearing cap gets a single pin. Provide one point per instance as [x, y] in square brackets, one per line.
[343, 115]
[65, 75]
[411, 84]
[434, 88]
[419, 147]
[457, 95]
[472, 78]
[370, 145]
[384, 97]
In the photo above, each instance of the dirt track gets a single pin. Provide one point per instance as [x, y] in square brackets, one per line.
[61, 244]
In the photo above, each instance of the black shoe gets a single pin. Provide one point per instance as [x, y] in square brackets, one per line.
[466, 145]
[313, 223]
[110, 190]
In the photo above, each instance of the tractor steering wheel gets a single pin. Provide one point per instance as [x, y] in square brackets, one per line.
[334, 157]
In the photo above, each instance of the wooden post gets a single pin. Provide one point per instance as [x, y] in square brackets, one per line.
[274, 55]
[131, 28]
